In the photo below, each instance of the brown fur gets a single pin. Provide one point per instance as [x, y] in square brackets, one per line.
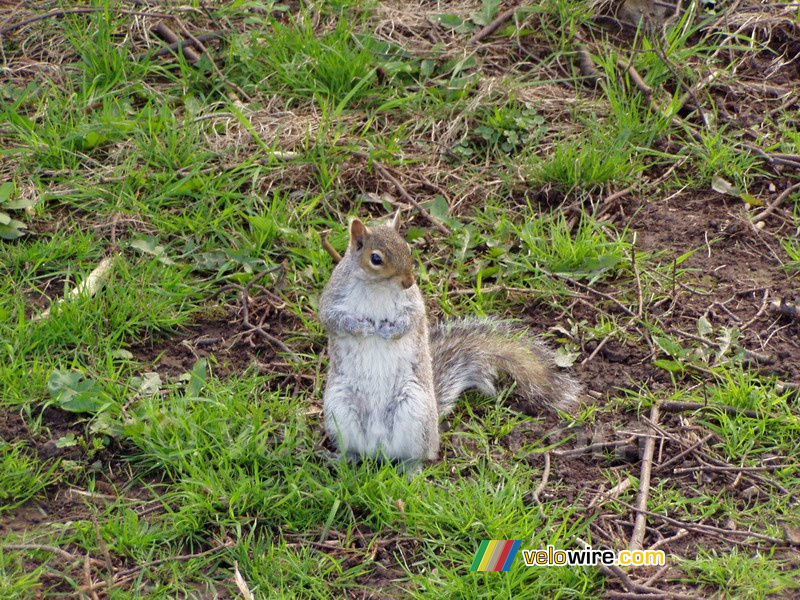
[383, 240]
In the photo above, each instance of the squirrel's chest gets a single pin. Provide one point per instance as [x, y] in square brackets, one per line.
[375, 366]
[375, 303]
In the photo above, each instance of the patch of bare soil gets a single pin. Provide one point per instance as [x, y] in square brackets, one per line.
[234, 346]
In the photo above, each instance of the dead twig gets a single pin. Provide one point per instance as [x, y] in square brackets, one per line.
[612, 494]
[682, 406]
[640, 310]
[54, 14]
[760, 312]
[489, 29]
[244, 299]
[682, 533]
[679, 456]
[241, 583]
[88, 287]
[633, 587]
[87, 578]
[180, 45]
[604, 341]
[402, 191]
[770, 208]
[542, 484]
[166, 34]
[594, 292]
[716, 469]
[640, 523]
[648, 596]
[52, 550]
[326, 245]
[707, 529]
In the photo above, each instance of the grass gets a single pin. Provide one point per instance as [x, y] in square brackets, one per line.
[156, 431]
[22, 476]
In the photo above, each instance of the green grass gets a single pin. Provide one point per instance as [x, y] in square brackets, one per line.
[193, 177]
[22, 476]
[747, 576]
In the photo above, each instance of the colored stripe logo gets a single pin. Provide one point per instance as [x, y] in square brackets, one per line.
[495, 555]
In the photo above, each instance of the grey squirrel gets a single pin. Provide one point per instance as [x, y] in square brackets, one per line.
[391, 377]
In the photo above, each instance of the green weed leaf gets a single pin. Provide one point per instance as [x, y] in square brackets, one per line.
[20, 204]
[704, 326]
[487, 12]
[11, 229]
[564, 358]
[672, 366]
[66, 441]
[73, 393]
[150, 245]
[454, 22]
[669, 346]
[5, 191]
[197, 379]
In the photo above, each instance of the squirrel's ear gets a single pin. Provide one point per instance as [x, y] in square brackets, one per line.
[358, 231]
[396, 221]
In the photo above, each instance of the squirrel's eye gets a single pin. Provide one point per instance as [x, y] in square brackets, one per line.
[376, 259]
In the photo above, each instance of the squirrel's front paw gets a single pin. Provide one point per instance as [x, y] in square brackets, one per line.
[362, 326]
[389, 330]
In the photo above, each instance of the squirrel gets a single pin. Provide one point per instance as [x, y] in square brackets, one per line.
[391, 377]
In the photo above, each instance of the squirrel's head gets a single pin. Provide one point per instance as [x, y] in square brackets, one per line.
[382, 253]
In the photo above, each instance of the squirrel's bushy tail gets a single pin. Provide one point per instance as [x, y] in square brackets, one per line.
[472, 353]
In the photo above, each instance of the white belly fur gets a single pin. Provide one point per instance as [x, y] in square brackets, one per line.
[375, 403]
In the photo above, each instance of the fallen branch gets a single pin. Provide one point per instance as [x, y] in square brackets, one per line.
[716, 469]
[761, 310]
[594, 447]
[612, 494]
[640, 523]
[708, 529]
[638, 589]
